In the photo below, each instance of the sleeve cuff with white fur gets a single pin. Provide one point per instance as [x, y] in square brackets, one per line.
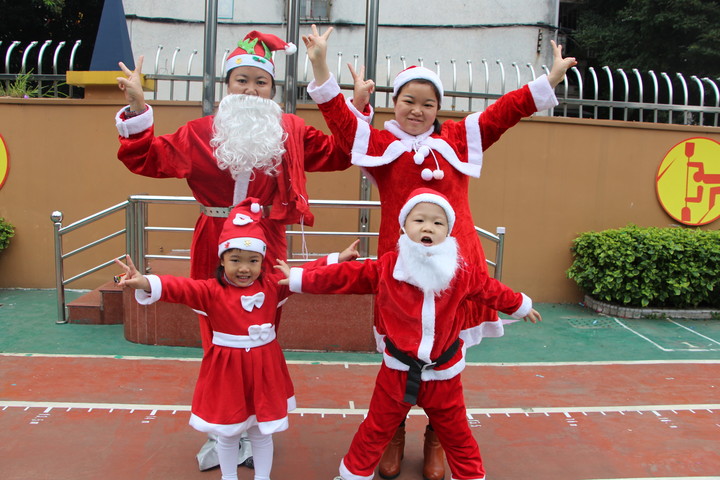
[296, 274]
[358, 114]
[134, 125]
[333, 258]
[524, 308]
[543, 93]
[325, 92]
[148, 298]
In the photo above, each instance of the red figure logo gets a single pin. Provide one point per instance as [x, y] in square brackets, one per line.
[688, 181]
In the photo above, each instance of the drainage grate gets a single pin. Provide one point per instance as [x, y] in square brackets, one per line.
[592, 323]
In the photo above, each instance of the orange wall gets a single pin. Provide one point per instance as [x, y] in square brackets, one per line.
[546, 180]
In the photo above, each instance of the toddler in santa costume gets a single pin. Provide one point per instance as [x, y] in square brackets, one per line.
[419, 288]
[243, 384]
[414, 151]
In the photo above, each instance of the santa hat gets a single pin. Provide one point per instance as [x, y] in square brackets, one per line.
[417, 73]
[242, 229]
[420, 195]
[255, 50]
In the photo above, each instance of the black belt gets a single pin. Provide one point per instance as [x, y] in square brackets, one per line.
[418, 366]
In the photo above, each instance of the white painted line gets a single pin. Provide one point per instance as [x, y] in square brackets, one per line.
[377, 363]
[642, 336]
[566, 411]
[693, 331]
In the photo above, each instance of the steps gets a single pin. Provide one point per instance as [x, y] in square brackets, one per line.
[308, 322]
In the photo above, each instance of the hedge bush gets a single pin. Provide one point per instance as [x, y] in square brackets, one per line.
[6, 231]
[649, 267]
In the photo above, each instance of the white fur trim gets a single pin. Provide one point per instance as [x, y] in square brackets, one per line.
[428, 375]
[145, 298]
[266, 428]
[249, 60]
[358, 114]
[325, 92]
[333, 258]
[347, 475]
[134, 125]
[296, 274]
[417, 73]
[427, 337]
[474, 139]
[524, 308]
[474, 335]
[543, 93]
[282, 302]
[251, 244]
[243, 341]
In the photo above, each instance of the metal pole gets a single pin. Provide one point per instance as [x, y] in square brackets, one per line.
[371, 40]
[208, 101]
[57, 217]
[291, 61]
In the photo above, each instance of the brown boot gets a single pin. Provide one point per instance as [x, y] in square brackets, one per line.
[389, 466]
[434, 463]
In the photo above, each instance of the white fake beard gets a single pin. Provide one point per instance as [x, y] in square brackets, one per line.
[248, 135]
[428, 268]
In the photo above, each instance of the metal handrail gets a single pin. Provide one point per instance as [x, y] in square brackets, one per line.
[136, 237]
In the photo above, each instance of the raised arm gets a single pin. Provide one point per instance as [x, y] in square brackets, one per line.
[132, 277]
[131, 85]
[316, 45]
[362, 88]
[560, 65]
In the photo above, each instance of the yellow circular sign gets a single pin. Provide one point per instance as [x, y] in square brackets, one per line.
[4, 162]
[688, 181]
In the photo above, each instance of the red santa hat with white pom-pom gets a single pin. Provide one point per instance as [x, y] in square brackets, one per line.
[255, 50]
[242, 229]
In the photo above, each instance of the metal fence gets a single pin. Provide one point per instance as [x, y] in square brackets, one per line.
[604, 93]
[136, 230]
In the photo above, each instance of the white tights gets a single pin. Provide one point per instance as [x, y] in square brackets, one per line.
[262, 449]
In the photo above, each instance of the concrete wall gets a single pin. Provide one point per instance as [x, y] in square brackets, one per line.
[546, 181]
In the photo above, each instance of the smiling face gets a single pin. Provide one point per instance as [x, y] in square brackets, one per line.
[242, 267]
[416, 107]
[249, 80]
[426, 224]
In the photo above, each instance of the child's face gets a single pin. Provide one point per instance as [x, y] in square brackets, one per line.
[242, 267]
[426, 224]
[249, 80]
[416, 107]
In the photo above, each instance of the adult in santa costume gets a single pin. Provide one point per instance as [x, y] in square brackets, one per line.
[243, 384]
[249, 148]
[419, 289]
[415, 151]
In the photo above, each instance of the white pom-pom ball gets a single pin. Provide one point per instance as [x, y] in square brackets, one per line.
[420, 155]
[438, 174]
[255, 207]
[290, 49]
[426, 174]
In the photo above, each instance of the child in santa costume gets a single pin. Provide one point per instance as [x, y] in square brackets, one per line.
[250, 148]
[415, 151]
[419, 288]
[243, 384]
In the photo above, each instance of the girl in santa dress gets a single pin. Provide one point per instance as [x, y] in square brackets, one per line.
[418, 288]
[243, 384]
[414, 151]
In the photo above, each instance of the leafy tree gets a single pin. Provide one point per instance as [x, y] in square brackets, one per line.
[661, 35]
[57, 20]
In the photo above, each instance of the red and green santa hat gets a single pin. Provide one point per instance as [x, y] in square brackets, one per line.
[255, 50]
[242, 229]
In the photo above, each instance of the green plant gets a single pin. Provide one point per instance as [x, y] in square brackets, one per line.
[658, 267]
[22, 87]
[6, 231]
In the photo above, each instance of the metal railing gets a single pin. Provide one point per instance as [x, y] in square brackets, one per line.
[605, 93]
[137, 229]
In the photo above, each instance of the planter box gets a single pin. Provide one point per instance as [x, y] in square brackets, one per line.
[649, 312]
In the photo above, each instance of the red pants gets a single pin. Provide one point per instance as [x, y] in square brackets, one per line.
[444, 405]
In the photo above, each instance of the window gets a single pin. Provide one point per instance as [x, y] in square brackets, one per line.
[315, 10]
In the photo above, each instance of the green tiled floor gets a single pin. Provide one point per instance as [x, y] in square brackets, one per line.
[569, 333]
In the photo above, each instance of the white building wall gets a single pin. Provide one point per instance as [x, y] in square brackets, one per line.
[423, 31]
